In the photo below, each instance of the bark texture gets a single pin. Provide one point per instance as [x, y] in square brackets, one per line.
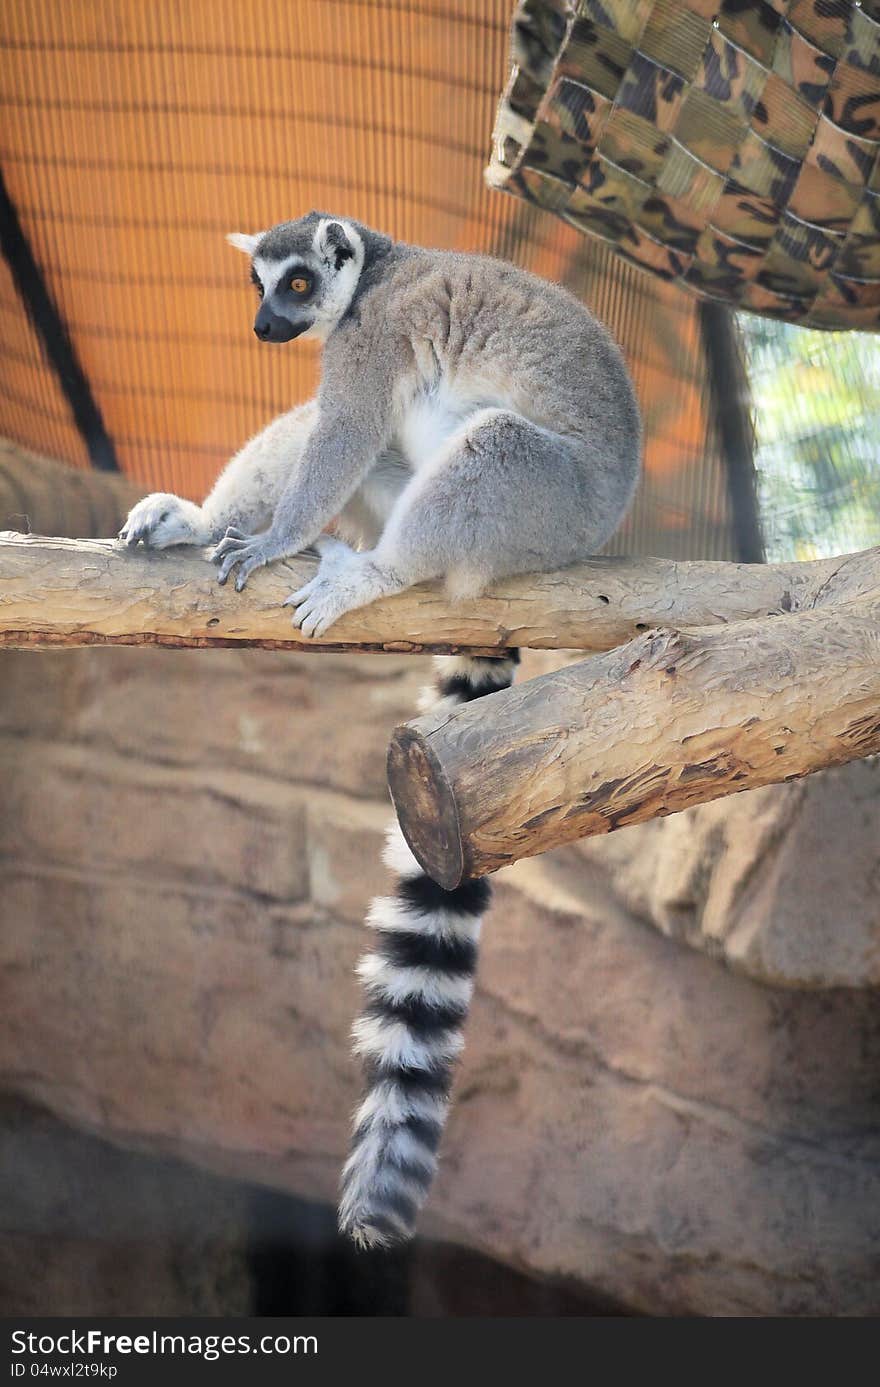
[672, 719]
[58, 592]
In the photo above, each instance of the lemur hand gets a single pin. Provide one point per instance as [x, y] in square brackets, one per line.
[245, 552]
[161, 520]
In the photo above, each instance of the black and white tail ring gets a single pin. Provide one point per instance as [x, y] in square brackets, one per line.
[418, 979]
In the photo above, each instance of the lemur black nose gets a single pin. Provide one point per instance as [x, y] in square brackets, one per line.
[270, 328]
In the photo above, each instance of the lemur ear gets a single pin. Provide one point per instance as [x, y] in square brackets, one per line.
[333, 244]
[242, 241]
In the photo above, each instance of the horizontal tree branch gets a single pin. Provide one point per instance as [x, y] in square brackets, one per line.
[719, 677]
[62, 592]
[671, 719]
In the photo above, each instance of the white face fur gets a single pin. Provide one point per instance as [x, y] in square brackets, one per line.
[331, 262]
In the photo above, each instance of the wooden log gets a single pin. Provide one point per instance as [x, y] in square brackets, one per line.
[672, 719]
[63, 593]
[757, 673]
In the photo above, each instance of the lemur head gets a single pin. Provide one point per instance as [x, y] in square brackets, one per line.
[305, 272]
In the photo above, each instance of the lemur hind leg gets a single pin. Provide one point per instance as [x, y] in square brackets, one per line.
[471, 514]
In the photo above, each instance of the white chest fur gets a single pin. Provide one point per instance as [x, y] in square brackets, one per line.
[431, 418]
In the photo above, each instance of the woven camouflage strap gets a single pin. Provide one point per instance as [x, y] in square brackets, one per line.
[732, 148]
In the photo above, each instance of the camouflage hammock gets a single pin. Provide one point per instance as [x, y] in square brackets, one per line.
[730, 148]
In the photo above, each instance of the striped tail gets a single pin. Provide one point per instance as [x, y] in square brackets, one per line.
[418, 981]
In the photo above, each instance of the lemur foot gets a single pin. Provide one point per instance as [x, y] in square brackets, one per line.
[161, 520]
[345, 580]
[237, 550]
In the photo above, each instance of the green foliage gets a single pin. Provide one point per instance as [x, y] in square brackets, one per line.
[816, 410]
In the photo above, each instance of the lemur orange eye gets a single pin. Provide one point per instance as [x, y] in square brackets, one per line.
[299, 284]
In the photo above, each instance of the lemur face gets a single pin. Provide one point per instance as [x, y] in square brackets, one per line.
[305, 273]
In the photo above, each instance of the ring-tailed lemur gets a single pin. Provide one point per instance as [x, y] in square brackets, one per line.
[471, 422]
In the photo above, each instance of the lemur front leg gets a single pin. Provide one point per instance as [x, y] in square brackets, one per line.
[351, 431]
[244, 496]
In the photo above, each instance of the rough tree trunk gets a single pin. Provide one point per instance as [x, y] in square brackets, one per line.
[670, 720]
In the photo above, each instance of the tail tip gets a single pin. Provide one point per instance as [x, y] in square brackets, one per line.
[369, 1223]
[367, 1234]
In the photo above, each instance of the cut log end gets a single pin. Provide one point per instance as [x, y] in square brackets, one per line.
[430, 825]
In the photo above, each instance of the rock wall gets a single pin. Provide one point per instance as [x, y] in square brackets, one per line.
[782, 883]
[188, 843]
[90, 1229]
